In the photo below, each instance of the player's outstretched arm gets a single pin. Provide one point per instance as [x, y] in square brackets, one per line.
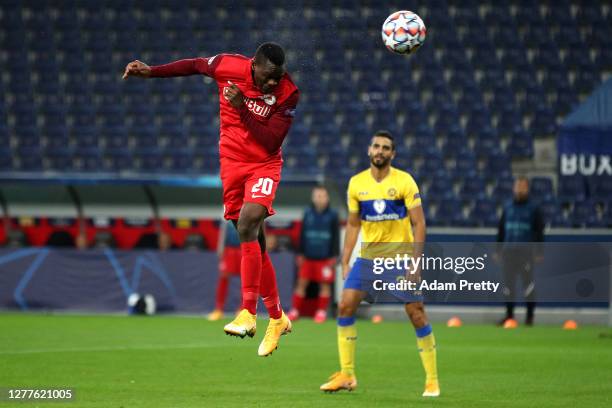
[353, 225]
[137, 69]
[184, 67]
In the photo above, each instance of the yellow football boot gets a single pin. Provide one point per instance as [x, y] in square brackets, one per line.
[339, 381]
[215, 315]
[276, 328]
[432, 389]
[243, 325]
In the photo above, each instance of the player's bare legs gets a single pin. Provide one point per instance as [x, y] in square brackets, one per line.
[250, 221]
[416, 314]
[349, 302]
[426, 344]
[347, 337]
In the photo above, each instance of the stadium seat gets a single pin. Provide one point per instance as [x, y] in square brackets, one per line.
[449, 210]
[472, 188]
[584, 212]
[541, 188]
[484, 213]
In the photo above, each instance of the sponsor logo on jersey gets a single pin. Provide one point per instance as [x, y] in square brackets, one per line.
[260, 110]
[382, 217]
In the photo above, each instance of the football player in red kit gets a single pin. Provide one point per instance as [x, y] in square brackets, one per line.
[257, 103]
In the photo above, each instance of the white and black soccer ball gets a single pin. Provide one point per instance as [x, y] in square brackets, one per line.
[141, 305]
[403, 32]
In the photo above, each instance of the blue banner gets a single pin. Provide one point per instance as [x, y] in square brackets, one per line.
[585, 151]
[102, 280]
[585, 137]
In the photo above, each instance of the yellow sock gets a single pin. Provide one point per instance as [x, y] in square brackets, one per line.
[347, 339]
[427, 350]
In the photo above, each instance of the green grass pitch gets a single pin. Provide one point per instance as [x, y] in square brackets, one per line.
[116, 361]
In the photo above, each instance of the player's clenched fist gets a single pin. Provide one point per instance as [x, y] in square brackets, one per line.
[233, 94]
[138, 69]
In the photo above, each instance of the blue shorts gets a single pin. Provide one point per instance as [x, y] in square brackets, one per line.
[362, 277]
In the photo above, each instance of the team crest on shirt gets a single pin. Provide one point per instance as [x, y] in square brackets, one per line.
[391, 192]
[379, 206]
[269, 99]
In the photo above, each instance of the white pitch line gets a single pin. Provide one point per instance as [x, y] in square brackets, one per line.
[110, 348]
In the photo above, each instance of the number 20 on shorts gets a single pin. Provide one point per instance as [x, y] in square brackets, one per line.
[263, 186]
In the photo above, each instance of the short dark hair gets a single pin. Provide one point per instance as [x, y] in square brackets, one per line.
[385, 134]
[272, 52]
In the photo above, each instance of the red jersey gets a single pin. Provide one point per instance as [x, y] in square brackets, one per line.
[255, 132]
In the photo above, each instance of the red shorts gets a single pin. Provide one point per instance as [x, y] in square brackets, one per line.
[248, 183]
[229, 264]
[318, 270]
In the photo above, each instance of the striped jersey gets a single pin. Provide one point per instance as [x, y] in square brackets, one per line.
[383, 206]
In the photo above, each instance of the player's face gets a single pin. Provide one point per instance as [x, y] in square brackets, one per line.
[266, 75]
[381, 152]
[521, 189]
[320, 198]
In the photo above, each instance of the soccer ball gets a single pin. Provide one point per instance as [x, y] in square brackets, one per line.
[403, 32]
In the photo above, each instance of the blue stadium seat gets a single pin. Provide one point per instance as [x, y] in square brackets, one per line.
[440, 189]
[150, 162]
[115, 138]
[85, 136]
[521, 144]
[119, 161]
[484, 213]
[473, 188]
[541, 188]
[503, 189]
[497, 164]
[584, 212]
[6, 159]
[89, 158]
[181, 162]
[60, 159]
[607, 216]
[30, 161]
[449, 212]
[602, 189]
[27, 136]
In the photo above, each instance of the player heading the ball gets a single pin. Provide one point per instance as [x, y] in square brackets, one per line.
[257, 101]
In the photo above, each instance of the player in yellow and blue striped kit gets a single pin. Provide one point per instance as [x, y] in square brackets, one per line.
[385, 205]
